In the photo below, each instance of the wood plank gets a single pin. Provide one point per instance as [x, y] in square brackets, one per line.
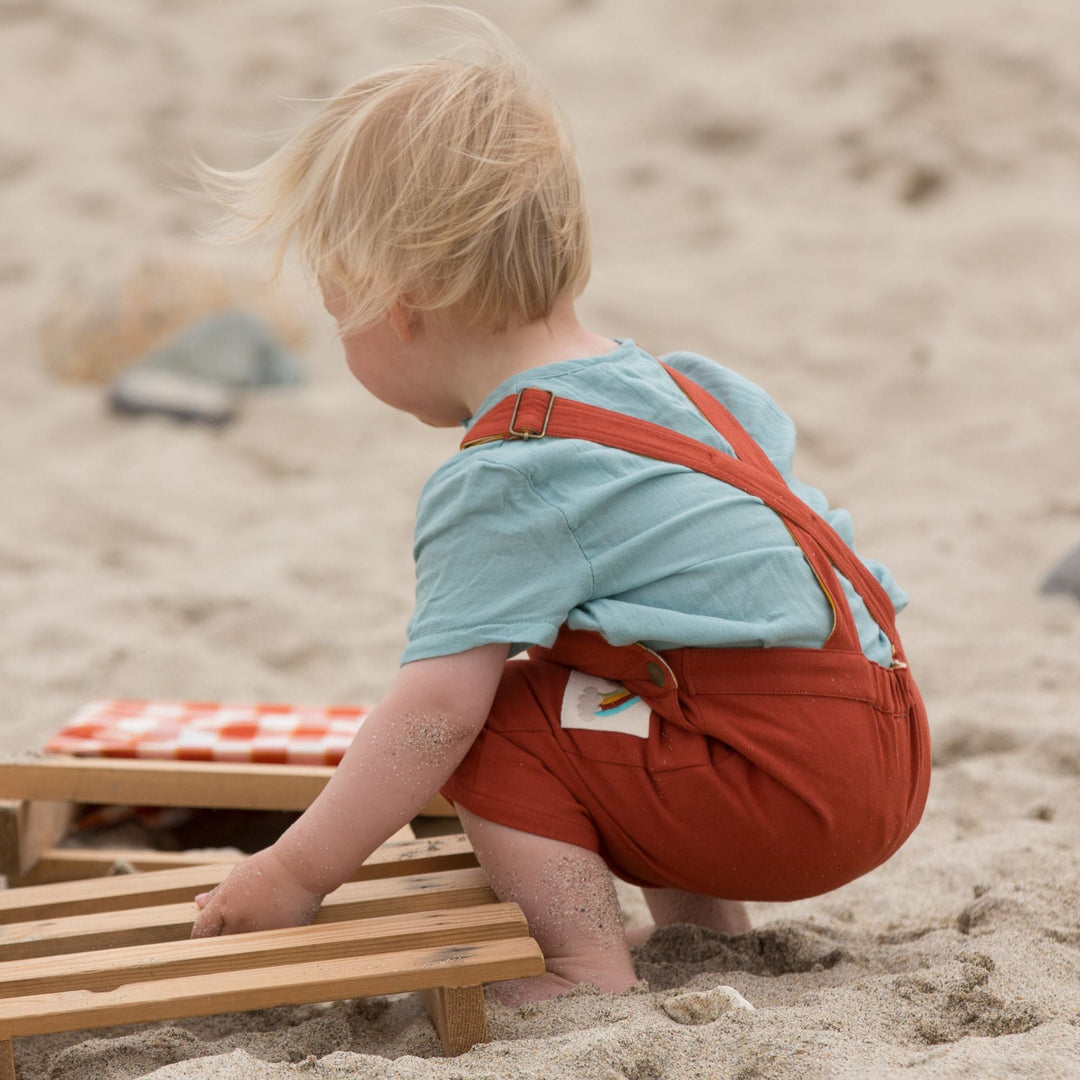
[293, 984]
[11, 811]
[27, 828]
[146, 925]
[140, 782]
[65, 899]
[145, 782]
[439, 807]
[458, 1015]
[58, 865]
[108, 969]
[7, 1060]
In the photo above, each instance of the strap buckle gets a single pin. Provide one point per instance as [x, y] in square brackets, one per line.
[525, 433]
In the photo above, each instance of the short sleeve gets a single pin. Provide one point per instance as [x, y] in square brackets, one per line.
[495, 562]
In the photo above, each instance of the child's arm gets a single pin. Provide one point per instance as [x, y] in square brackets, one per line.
[403, 753]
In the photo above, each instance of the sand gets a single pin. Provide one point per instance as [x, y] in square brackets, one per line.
[873, 209]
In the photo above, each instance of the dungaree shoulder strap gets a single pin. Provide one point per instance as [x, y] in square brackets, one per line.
[840, 554]
[533, 413]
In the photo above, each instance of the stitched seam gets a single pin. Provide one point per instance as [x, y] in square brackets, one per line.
[530, 810]
[644, 766]
[558, 509]
[833, 695]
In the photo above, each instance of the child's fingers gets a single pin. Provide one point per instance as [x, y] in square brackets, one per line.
[208, 923]
[202, 899]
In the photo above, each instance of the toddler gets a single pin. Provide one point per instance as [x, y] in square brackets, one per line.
[640, 646]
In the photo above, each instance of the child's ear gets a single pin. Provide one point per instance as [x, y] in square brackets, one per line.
[404, 320]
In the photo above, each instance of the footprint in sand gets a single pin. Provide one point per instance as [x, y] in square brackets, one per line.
[960, 1004]
[674, 954]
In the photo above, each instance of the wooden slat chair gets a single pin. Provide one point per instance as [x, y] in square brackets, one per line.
[116, 950]
[37, 796]
[198, 746]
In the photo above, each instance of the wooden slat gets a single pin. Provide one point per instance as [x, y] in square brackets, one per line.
[175, 886]
[142, 782]
[108, 969]
[458, 1015]
[439, 806]
[293, 984]
[58, 865]
[145, 925]
[128, 782]
[7, 1060]
[27, 828]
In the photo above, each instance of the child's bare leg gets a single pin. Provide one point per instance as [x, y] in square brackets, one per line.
[569, 900]
[671, 906]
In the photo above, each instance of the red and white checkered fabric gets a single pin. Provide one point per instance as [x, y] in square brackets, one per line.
[210, 731]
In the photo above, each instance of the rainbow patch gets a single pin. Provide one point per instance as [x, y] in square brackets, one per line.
[615, 701]
[593, 704]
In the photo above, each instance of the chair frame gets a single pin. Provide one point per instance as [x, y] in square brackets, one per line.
[81, 951]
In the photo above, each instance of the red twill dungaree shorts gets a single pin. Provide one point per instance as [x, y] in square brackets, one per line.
[742, 773]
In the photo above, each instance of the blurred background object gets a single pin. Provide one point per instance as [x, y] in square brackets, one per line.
[100, 326]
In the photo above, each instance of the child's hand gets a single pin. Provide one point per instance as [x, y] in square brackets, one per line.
[404, 752]
[260, 894]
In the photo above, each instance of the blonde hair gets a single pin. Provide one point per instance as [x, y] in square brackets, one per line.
[449, 185]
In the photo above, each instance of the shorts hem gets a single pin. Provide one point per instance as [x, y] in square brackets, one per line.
[524, 818]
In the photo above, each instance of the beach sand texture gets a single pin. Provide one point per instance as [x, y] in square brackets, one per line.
[872, 209]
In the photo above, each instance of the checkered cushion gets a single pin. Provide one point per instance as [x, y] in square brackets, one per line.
[210, 731]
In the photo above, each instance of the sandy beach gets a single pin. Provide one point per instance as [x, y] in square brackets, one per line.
[871, 209]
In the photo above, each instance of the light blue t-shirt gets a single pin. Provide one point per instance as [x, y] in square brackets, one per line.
[514, 539]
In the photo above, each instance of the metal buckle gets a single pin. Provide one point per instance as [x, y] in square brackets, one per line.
[524, 433]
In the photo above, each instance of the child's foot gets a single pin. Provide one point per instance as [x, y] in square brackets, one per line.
[549, 985]
[515, 992]
[638, 935]
[671, 906]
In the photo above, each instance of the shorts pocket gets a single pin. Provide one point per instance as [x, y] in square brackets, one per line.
[593, 704]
